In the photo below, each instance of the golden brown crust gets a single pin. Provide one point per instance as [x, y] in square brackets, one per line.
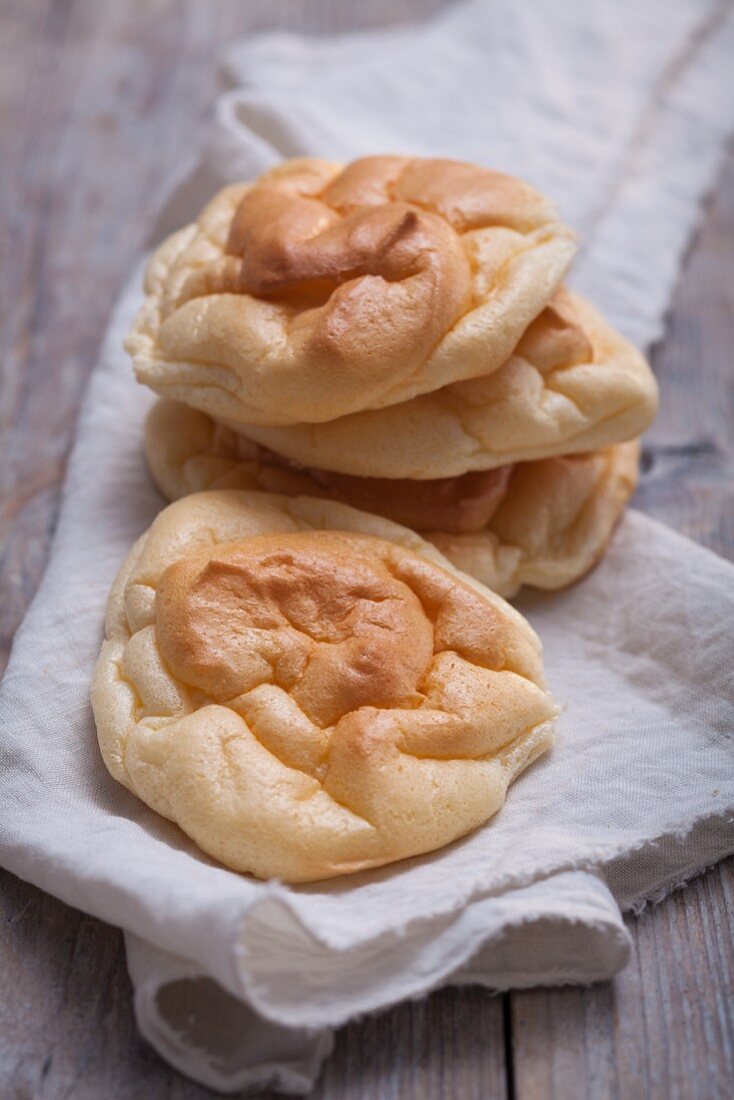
[189, 452]
[317, 614]
[321, 290]
[310, 691]
[543, 523]
[573, 385]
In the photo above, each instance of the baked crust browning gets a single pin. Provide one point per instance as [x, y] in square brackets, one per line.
[189, 452]
[306, 611]
[572, 385]
[309, 691]
[543, 523]
[321, 290]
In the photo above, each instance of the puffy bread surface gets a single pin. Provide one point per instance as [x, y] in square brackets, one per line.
[543, 523]
[572, 385]
[188, 452]
[553, 524]
[310, 691]
[324, 289]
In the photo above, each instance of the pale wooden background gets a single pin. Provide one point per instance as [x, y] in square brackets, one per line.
[99, 102]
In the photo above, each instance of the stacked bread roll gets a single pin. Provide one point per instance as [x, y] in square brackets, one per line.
[381, 412]
[395, 334]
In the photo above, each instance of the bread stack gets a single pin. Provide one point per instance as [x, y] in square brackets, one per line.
[381, 412]
[395, 334]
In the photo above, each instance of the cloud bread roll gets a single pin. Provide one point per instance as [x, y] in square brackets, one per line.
[572, 385]
[552, 525]
[544, 523]
[308, 690]
[324, 289]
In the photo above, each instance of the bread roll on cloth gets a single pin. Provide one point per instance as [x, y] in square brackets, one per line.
[572, 385]
[308, 690]
[544, 523]
[321, 289]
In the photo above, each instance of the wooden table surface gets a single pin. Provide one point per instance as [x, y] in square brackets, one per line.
[100, 101]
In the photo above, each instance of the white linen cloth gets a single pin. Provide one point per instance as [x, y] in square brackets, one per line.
[619, 111]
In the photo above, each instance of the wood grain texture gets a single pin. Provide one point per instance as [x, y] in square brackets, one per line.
[98, 104]
[663, 1029]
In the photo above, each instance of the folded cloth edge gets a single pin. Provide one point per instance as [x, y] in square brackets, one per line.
[577, 933]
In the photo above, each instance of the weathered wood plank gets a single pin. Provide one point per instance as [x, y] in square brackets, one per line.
[665, 1027]
[449, 1045]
